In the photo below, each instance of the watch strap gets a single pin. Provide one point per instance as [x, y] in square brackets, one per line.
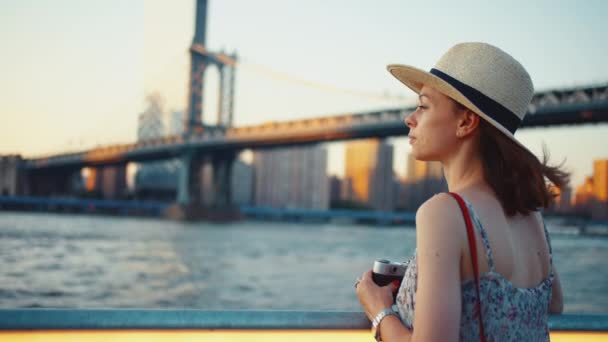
[379, 317]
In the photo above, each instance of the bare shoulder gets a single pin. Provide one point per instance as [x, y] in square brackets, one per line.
[439, 220]
[438, 210]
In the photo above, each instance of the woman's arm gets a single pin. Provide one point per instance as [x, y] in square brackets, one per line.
[374, 299]
[556, 306]
[440, 232]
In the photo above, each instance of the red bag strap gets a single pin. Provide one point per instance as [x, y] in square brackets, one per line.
[473, 249]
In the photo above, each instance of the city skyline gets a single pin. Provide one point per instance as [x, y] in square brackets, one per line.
[89, 79]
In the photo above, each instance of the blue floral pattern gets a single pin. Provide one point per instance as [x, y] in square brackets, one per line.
[509, 313]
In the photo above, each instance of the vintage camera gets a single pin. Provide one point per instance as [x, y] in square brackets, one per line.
[384, 272]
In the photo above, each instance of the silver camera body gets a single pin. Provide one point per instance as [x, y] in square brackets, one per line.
[385, 272]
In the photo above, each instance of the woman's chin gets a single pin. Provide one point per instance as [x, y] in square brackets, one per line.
[416, 154]
[419, 155]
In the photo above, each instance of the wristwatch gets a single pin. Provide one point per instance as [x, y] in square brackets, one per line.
[393, 310]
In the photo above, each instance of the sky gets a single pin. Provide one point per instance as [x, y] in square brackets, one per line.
[75, 73]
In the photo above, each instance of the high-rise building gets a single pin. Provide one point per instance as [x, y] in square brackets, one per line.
[584, 195]
[347, 193]
[242, 183]
[369, 171]
[292, 178]
[564, 199]
[421, 170]
[176, 123]
[423, 180]
[399, 194]
[600, 180]
[11, 176]
[150, 125]
[591, 197]
[157, 179]
[599, 208]
[335, 188]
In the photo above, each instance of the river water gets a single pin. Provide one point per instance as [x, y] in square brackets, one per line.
[79, 261]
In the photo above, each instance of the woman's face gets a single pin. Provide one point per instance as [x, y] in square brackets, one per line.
[433, 125]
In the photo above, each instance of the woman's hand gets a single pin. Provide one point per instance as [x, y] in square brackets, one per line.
[374, 298]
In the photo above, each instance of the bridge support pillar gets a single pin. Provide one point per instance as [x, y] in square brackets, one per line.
[109, 181]
[189, 190]
[222, 175]
[114, 181]
[204, 187]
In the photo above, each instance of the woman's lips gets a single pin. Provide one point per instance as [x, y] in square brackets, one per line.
[412, 139]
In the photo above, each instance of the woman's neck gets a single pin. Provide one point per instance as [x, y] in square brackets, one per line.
[464, 170]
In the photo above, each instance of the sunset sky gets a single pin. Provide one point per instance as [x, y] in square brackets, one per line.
[75, 73]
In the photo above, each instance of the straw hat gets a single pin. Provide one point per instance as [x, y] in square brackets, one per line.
[481, 77]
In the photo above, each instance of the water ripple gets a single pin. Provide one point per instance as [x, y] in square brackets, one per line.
[91, 261]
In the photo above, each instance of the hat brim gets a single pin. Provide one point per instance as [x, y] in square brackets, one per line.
[415, 79]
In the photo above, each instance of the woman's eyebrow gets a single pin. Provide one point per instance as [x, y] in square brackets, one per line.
[423, 95]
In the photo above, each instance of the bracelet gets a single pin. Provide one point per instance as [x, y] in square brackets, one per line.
[379, 317]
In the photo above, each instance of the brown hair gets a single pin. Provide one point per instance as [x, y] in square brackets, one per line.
[516, 175]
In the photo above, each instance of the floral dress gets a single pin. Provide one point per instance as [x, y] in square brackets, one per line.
[509, 313]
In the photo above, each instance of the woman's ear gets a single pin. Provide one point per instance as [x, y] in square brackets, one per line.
[467, 123]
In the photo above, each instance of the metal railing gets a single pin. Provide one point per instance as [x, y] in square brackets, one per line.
[101, 319]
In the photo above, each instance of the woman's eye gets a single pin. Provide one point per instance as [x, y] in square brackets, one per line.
[421, 107]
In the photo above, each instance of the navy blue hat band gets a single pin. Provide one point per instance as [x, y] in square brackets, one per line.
[491, 108]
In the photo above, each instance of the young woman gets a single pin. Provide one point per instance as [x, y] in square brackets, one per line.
[470, 104]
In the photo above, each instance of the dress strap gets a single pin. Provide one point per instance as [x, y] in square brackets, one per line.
[472, 247]
[484, 235]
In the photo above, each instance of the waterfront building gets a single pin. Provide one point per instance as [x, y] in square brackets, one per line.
[292, 178]
[11, 175]
[242, 183]
[423, 180]
[335, 188]
[157, 180]
[369, 171]
[599, 208]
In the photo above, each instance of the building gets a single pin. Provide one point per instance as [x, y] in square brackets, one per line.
[583, 196]
[150, 122]
[347, 192]
[399, 194]
[423, 180]
[564, 200]
[242, 183]
[600, 180]
[292, 178]
[335, 189]
[369, 173]
[12, 180]
[599, 209]
[175, 123]
[157, 180]
[591, 197]
[418, 170]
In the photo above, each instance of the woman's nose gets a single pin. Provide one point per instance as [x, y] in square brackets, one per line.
[409, 120]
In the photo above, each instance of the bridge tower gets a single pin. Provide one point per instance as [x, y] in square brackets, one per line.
[204, 187]
[200, 59]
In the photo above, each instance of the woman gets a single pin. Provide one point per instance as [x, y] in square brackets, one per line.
[470, 105]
